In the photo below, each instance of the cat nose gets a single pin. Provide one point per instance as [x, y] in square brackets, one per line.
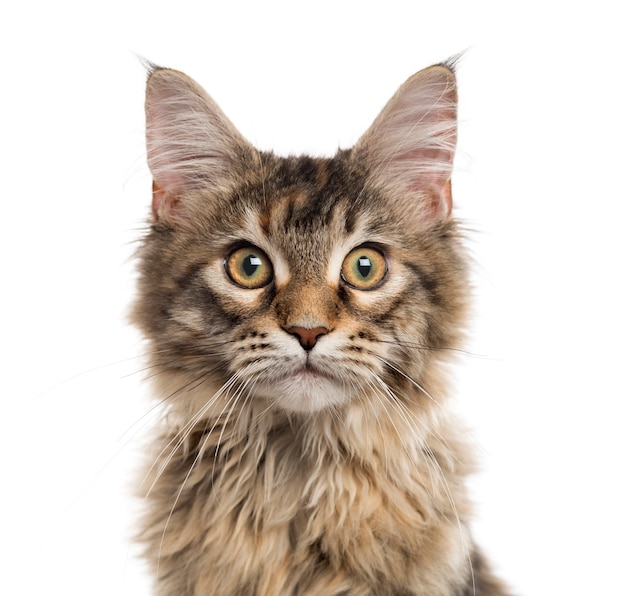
[307, 337]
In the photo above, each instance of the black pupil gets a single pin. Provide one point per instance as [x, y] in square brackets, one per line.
[364, 266]
[250, 264]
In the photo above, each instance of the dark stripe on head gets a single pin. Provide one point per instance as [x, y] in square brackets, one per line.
[429, 283]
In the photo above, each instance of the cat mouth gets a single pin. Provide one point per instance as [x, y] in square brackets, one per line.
[308, 370]
[307, 373]
[306, 388]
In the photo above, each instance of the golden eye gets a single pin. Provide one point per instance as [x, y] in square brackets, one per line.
[249, 267]
[364, 268]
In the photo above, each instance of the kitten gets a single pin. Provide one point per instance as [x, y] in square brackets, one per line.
[299, 312]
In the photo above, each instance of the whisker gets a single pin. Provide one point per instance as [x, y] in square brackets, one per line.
[416, 418]
[403, 374]
[431, 461]
[190, 425]
[234, 399]
[183, 433]
[427, 348]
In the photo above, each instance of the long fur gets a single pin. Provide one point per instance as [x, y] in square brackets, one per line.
[283, 466]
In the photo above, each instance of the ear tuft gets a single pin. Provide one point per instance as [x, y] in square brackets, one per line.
[409, 149]
[191, 143]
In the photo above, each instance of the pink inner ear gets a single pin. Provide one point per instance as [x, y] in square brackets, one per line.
[439, 202]
[165, 203]
[158, 200]
[432, 184]
[425, 168]
[446, 197]
[410, 146]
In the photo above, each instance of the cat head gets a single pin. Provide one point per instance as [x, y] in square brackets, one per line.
[297, 282]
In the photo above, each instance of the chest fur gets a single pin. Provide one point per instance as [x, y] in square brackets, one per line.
[285, 520]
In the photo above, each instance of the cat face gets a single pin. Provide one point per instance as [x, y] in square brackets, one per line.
[302, 283]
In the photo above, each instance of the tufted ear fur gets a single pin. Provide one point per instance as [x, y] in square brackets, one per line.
[409, 149]
[191, 143]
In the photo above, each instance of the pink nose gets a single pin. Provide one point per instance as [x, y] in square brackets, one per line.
[307, 337]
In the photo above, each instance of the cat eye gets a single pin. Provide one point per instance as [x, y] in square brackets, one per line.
[364, 268]
[249, 267]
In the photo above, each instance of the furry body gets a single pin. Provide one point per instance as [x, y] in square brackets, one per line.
[306, 448]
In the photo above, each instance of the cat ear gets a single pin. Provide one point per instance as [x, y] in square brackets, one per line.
[191, 143]
[409, 149]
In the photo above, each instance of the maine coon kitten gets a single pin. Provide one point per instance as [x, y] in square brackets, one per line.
[299, 311]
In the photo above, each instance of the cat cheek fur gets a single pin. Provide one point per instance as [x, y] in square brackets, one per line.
[305, 446]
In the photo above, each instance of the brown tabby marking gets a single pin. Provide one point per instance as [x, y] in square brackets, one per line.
[305, 446]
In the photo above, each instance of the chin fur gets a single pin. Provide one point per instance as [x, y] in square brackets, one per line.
[306, 392]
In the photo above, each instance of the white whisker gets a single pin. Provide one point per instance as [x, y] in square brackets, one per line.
[403, 374]
[431, 459]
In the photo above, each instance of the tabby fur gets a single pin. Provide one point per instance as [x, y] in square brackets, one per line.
[290, 461]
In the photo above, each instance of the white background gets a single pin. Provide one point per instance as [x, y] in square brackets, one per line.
[539, 179]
